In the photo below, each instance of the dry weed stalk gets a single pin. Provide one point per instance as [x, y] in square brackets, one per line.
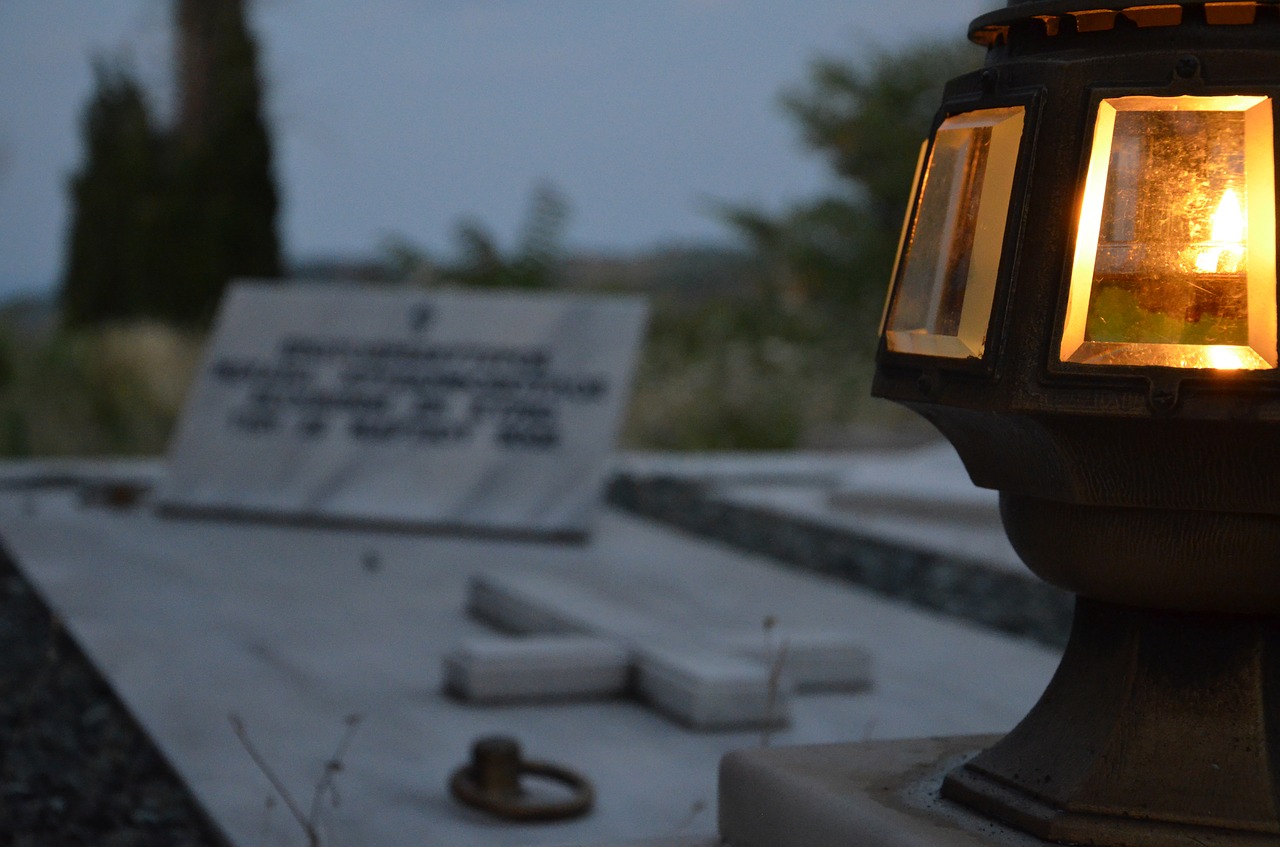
[326, 785]
[775, 677]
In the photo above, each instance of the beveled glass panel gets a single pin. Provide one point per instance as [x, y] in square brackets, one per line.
[1175, 252]
[950, 256]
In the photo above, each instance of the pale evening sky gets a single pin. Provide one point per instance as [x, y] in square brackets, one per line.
[401, 116]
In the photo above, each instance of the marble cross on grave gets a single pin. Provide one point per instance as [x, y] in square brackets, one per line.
[577, 641]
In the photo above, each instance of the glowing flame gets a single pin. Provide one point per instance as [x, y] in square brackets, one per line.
[1228, 231]
[1228, 221]
[1224, 358]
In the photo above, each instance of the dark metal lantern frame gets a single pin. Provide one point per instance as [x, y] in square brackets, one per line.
[1151, 492]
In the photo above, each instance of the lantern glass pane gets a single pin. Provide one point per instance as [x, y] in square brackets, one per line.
[1175, 252]
[950, 256]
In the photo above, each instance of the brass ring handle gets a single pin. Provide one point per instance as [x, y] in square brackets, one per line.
[491, 782]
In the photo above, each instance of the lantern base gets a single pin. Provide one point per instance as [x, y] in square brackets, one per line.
[1158, 728]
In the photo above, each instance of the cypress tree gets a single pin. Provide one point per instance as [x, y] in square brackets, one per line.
[226, 218]
[163, 220]
[117, 196]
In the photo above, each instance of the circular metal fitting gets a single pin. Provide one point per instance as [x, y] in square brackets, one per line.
[491, 782]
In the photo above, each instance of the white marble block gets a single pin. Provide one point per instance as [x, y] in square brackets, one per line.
[703, 676]
[510, 606]
[701, 683]
[504, 670]
[811, 661]
[534, 602]
[472, 411]
[711, 691]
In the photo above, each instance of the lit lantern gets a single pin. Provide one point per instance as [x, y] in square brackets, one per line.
[1085, 304]
[1169, 268]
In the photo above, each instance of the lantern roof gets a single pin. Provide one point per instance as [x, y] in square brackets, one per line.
[1094, 16]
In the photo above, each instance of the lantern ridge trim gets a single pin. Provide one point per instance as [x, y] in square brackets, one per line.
[1091, 17]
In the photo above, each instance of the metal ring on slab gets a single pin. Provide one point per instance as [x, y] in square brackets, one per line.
[491, 782]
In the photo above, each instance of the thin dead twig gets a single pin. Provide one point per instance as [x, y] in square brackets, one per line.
[313, 837]
[775, 677]
[325, 786]
[333, 767]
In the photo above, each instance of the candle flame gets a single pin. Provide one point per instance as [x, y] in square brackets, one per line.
[1228, 231]
[1224, 358]
[1228, 221]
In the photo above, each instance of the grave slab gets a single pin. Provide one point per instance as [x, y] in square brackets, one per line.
[291, 628]
[488, 412]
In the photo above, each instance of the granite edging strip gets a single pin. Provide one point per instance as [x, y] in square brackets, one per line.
[950, 585]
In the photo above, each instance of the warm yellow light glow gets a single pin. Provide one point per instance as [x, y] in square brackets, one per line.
[1224, 358]
[1227, 252]
[902, 237]
[1228, 221]
[1175, 252]
[949, 258]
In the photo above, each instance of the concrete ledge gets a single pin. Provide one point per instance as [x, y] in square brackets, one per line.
[873, 794]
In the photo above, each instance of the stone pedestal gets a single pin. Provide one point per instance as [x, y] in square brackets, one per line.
[872, 794]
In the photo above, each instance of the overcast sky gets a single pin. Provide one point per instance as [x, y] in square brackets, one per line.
[401, 116]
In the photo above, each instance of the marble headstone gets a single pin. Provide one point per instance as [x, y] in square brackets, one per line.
[440, 409]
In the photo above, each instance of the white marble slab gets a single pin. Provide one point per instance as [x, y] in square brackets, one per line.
[536, 668]
[291, 629]
[811, 661]
[733, 674]
[706, 690]
[404, 407]
[695, 682]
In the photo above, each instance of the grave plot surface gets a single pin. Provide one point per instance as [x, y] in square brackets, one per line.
[292, 629]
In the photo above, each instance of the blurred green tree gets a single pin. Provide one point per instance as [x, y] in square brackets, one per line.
[868, 119]
[117, 200]
[534, 261]
[481, 262]
[227, 204]
[163, 219]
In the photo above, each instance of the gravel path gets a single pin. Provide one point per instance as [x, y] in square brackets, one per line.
[75, 768]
